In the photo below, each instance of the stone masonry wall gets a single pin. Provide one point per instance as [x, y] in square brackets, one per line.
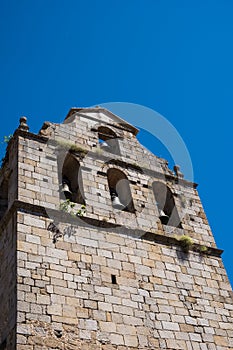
[111, 279]
[160, 298]
[39, 185]
[8, 284]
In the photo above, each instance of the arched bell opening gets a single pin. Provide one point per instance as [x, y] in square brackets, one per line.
[108, 140]
[168, 213]
[119, 189]
[71, 180]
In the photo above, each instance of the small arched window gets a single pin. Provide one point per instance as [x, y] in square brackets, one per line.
[120, 190]
[108, 140]
[166, 205]
[71, 180]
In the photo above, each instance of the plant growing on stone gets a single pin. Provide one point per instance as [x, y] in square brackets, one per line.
[98, 150]
[72, 147]
[7, 138]
[186, 243]
[78, 149]
[81, 211]
[203, 249]
[68, 207]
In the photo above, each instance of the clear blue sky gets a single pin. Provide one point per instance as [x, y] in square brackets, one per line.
[172, 56]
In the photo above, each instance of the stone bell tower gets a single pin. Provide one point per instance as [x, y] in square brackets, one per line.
[102, 246]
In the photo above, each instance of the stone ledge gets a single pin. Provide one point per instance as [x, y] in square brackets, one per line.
[172, 241]
[30, 135]
[84, 221]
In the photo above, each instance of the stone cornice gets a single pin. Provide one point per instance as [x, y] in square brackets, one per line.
[84, 221]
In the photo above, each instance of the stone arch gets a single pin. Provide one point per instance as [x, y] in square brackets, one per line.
[108, 139]
[165, 202]
[120, 191]
[71, 180]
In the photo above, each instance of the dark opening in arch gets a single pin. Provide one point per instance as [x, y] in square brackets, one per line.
[108, 140]
[71, 180]
[168, 213]
[120, 190]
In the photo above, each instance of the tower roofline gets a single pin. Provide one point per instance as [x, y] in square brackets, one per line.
[98, 109]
